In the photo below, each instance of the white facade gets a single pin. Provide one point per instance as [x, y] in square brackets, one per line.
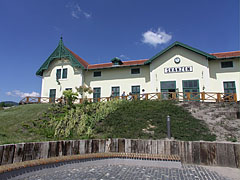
[74, 78]
[187, 69]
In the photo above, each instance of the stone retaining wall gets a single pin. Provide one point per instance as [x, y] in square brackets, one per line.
[204, 153]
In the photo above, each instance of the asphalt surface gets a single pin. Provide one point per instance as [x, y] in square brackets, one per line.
[121, 169]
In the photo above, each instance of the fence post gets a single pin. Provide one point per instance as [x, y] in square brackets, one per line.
[188, 96]
[146, 96]
[218, 97]
[168, 127]
[235, 97]
[203, 96]
[27, 101]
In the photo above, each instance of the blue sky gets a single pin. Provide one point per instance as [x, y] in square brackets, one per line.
[98, 30]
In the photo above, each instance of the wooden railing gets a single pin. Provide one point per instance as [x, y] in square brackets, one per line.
[177, 96]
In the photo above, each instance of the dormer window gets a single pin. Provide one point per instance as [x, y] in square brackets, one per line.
[116, 61]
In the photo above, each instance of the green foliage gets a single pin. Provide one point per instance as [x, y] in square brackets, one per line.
[16, 123]
[113, 119]
[82, 120]
[70, 97]
[137, 119]
[232, 139]
[2, 104]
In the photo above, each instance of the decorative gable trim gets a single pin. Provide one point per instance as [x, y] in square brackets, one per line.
[60, 52]
[182, 45]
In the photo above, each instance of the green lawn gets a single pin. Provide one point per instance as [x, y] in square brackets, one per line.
[134, 119]
[14, 122]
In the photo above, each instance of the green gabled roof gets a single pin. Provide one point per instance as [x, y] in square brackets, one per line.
[182, 45]
[60, 52]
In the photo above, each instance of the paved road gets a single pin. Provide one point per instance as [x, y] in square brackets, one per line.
[123, 169]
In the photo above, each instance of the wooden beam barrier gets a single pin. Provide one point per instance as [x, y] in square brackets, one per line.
[191, 152]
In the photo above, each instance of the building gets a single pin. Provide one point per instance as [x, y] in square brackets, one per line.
[177, 68]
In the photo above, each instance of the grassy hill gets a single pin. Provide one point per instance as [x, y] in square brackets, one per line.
[136, 119]
[13, 123]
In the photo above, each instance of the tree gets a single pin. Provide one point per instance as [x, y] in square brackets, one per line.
[2, 104]
[84, 89]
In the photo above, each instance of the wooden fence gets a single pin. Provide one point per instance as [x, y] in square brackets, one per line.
[177, 96]
[191, 152]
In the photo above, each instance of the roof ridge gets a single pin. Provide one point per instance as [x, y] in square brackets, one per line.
[122, 61]
[85, 63]
[225, 52]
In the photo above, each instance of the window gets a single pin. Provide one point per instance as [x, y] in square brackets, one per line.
[96, 94]
[61, 73]
[135, 89]
[115, 63]
[115, 91]
[68, 89]
[58, 74]
[135, 71]
[97, 74]
[168, 86]
[227, 64]
[64, 74]
[229, 87]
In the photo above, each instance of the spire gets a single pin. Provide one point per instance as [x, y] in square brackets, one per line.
[61, 46]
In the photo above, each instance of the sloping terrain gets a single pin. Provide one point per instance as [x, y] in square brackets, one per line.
[14, 122]
[131, 119]
[221, 118]
[147, 119]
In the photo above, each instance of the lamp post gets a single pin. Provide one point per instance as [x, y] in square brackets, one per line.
[168, 127]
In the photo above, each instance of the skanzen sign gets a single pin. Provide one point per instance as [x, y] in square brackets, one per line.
[178, 69]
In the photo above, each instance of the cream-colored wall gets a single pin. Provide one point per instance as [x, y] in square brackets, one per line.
[121, 77]
[188, 58]
[219, 75]
[209, 73]
[74, 78]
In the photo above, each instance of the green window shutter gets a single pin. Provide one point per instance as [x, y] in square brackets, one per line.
[64, 75]
[58, 74]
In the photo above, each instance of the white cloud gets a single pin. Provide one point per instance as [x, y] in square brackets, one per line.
[17, 93]
[124, 57]
[87, 15]
[155, 38]
[76, 11]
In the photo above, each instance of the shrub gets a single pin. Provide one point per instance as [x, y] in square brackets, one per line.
[82, 120]
[70, 97]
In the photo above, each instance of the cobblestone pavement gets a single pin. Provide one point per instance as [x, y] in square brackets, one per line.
[101, 170]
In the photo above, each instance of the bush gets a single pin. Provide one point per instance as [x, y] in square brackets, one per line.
[70, 97]
[82, 120]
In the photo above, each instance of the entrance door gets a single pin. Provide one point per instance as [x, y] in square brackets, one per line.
[166, 88]
[191, 86]
[96, 94]
[52, 95]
